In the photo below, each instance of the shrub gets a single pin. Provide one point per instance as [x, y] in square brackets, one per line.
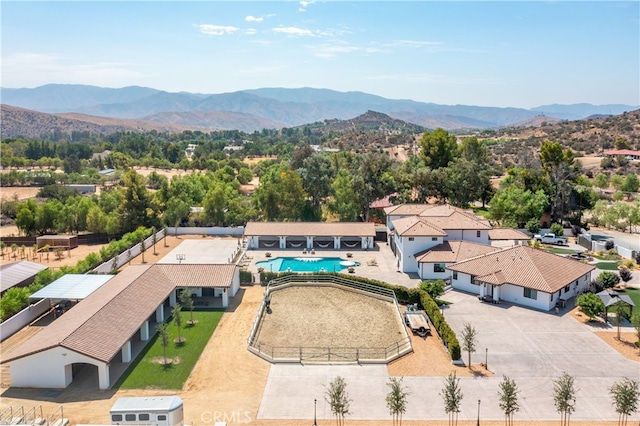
[609, 245]
[625, 275]
[636, 257]
[557, 229]
[608, 279]
[245, 276]
[590, 304]
[435, 288]
[533, 226]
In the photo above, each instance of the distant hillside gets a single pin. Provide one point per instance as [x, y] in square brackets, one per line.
[276, 107]
[369, 122]
[16, 122]
[586, 137]
[537, 121]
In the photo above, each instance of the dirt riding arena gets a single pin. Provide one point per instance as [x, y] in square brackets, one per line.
[323, 317]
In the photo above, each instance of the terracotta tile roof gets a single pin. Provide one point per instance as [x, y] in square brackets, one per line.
[102, 323]
[444, 210]
[525, 267]
[507, 234]
[415, 226]
[311, 229]
[407, 209]
[198, 275]
[454, 251]
[458, 220]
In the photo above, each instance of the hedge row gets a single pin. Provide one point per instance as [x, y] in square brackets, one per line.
[127, 241]
[404, 295]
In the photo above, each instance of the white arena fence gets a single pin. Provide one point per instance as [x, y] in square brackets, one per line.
[212, 230]
[301, 354]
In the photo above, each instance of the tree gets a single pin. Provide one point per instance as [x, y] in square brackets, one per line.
[344, 203]
[619, 308]
[557, 229]
[635, 322]
[435, 288]
[338, 399]
[154, 239]
[143, 248]
[396, 400]
[508, 394]
[187, 302]
[469, 340]
[625, 397]
[136, 203]
[564, 397]
[590, 305]
[561, 169]
[514, 206]
[601, 181]
[631, 183]
[176, 210]
[439, 148]
[452, 396]
[164, 339]
[177, 319]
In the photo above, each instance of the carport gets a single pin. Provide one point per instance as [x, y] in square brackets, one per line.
[71, 287]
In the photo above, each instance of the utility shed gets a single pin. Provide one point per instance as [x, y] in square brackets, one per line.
[66, 241]
[153, 410]
[19, 274]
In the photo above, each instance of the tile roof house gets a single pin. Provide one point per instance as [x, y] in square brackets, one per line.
[310, 235]
[416, 228]
[100, 329]
[522, 275]
[432, 263]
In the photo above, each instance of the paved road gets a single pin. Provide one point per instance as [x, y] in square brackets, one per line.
[531, 347]
[631, 241]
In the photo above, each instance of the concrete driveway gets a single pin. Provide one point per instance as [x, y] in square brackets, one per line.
[531, 347]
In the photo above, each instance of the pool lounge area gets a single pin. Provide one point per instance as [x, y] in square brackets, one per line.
[306, 264]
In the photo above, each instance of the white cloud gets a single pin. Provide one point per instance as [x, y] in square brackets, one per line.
[304, 4]
[251, 31]
[250, 18]
[217, 30]
[328, 51]
[414, 43]
[295, 31]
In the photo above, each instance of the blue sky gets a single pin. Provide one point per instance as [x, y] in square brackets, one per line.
[505, 53]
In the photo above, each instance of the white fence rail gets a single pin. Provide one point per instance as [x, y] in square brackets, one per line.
[22, 318]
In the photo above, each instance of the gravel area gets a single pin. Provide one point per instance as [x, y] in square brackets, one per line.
[312, 316]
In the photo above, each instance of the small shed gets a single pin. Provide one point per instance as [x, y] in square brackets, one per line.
[152, 410]
[67, 241]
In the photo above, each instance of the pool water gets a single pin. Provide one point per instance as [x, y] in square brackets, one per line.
[306, 264]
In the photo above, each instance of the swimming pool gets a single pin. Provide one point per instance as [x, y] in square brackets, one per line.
[306, 264]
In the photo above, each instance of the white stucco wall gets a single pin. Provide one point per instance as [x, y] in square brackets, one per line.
[52, 369]
[515, 294]
[426, 272]
[463, 283]
[408, 250]
[235, 284]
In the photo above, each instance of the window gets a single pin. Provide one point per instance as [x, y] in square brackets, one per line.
[474, 282]
[477, 234]
[116, 417]
[143, 417]
[434, 238]
[411, 238]
[530, 293]
[567, 288]
[438, 267]
[455, 275]
[130, 417]
[162, 417]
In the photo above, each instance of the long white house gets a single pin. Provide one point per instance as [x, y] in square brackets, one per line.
[522, 275]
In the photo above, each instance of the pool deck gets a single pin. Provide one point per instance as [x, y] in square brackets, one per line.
[378, 263]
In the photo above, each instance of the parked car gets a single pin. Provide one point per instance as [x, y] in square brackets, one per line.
[550, 238]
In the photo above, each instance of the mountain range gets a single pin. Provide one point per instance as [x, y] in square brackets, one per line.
[255, 109]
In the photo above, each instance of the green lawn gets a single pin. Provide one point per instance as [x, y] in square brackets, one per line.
[634, 294]
[607, 266]
[557, 250]
[147, 370]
